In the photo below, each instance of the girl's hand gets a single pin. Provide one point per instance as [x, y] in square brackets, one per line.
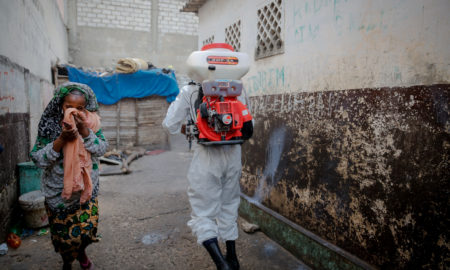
[81, 122]
[68, 133]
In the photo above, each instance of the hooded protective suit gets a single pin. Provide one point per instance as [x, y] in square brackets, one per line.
[213, 177]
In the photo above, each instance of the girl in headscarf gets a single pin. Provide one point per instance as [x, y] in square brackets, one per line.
[72, 210]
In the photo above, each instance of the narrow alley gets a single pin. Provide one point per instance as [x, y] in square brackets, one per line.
[323, 123]
[142, 225]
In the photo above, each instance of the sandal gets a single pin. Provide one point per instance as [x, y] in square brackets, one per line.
[88, 265]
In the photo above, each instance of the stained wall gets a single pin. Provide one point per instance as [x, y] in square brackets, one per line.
[351, 133]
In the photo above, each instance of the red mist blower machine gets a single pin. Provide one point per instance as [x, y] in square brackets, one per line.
[221, 118]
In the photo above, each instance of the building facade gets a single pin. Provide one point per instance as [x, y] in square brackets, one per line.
[103, 31]
[350, 100]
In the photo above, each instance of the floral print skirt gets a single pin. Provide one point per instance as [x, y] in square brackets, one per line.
[73, 230]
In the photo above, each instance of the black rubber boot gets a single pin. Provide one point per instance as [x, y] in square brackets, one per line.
[231, 255]
[212, 246]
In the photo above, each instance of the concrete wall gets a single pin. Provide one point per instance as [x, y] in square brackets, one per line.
[351, 122]
[154, 30]
[33, 39]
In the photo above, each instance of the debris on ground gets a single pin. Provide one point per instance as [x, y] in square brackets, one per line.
[121, 158]
[3, 249]
[43, 232]
[13, 240]
[110, 161]
[154, 152]
[248, 227]
[26, 232]
[114, 154]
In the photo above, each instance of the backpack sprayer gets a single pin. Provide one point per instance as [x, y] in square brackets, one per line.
[220, 117]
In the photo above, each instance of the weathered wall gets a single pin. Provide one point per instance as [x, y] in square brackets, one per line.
[351, 122]
[14, 129]
[33, 39]
[23, 96]
[366, 169]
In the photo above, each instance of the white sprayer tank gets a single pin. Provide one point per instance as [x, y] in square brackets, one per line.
[217, 61]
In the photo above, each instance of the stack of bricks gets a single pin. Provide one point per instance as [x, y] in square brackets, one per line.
[136, 15]
[124, 14]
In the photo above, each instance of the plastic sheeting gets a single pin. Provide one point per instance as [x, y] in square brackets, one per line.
[143, 83]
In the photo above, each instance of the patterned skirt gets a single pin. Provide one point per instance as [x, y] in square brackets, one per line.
[74, 229]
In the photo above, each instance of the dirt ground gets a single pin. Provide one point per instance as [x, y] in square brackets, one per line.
[143, 218]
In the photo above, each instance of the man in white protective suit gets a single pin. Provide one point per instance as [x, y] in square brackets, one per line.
[214, 191]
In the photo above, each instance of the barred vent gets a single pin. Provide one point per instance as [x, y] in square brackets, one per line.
[208, 40]
[270, 28]
[233, 35]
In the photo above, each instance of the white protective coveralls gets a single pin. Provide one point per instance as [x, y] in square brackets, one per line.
[214, 173]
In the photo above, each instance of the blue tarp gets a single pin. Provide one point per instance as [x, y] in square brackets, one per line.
[143, 83]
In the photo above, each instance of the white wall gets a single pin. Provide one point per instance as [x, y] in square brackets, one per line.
[33, 38]
[341, 44]
[33, 35]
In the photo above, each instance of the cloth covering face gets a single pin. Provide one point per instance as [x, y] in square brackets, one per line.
[50, 124]
[77, 160]
[214, 174]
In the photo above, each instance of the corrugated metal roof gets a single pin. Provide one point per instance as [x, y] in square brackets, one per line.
[193, 5]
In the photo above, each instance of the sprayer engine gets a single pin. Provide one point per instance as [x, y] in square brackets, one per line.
[221, 115]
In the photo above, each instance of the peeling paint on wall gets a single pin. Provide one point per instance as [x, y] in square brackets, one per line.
[365, 169]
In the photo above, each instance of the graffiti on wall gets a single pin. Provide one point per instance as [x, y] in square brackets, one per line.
[312, 17]
[319, 104]
[266, 80]
[5, 99]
